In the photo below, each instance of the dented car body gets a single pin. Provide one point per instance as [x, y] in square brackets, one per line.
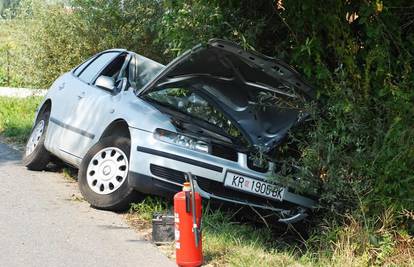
[207, 112]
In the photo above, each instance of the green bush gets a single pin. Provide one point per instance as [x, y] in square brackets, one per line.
[8, 72]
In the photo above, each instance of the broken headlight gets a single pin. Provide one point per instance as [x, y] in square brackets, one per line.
[182, 140]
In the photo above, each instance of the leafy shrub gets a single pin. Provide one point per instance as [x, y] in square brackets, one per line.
[53, 38]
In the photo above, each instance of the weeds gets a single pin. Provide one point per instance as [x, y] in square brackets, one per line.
[354, 242]
[150, 205]
[70, 174]
[77, 198]
[16, 117]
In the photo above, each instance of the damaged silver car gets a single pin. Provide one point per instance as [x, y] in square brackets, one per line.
[132, 125]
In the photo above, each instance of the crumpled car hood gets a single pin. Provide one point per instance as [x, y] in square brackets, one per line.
[240, 82]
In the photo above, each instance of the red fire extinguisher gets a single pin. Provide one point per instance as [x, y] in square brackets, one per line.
[187, 213]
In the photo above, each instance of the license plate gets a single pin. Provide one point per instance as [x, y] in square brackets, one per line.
[244, 183]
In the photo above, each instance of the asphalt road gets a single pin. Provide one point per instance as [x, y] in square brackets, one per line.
[42, 224]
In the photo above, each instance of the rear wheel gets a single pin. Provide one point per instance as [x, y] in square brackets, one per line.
[103, 174]
[36, 157]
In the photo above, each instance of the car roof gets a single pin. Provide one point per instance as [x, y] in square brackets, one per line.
[115, 50]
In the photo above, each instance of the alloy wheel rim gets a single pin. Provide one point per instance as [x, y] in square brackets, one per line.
[107, 170]
[34, 138]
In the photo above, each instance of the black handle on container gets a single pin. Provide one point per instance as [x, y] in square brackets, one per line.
[187, 202]
[196, 230]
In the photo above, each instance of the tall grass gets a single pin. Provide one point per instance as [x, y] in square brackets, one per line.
[16, 117]
[353, 242]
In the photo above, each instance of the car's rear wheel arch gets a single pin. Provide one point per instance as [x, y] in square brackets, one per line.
[46, 107]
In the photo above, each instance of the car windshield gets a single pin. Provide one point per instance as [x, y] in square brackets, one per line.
[190, 103]
[142, 70]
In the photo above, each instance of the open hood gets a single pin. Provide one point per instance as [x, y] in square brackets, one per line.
[259, 94]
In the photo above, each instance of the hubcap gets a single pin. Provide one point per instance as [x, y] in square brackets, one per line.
[34, 138]
[107, 170]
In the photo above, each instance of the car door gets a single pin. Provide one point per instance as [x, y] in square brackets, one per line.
[95, 106]
[63, 93]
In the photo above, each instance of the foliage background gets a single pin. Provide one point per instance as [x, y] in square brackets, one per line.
[357, 54]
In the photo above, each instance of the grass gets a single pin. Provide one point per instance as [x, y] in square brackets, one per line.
[228, 242]
[17, 116]
[70, 174]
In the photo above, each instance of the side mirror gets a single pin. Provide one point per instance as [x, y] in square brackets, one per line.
[105, 82]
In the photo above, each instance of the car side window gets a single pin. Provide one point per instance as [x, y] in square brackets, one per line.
[114, 68]
[91, 71]
[80, 68]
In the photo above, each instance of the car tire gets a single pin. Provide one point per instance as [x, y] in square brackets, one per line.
[36, 157]
[103, 175]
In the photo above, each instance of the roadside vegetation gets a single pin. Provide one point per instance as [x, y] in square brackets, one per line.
[227, 240]
[16, 117]
[359, 152]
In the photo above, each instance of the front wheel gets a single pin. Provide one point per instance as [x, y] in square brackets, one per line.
[103, 174]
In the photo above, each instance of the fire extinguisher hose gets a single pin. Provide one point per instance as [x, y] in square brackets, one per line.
[193, 206]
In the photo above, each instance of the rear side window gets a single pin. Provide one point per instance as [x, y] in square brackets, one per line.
[82, 66]
[88, 74]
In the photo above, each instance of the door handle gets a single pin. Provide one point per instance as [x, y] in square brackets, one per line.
[81, 95]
